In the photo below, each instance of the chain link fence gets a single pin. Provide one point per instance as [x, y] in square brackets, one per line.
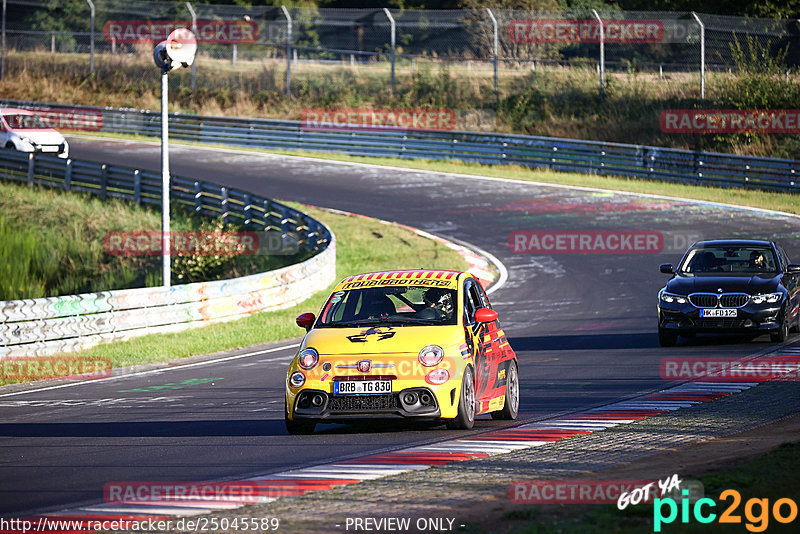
[502, 42]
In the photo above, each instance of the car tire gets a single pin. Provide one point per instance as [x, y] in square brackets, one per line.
[783, 332]
[466, 404]
[298, 428]
[667, 338]
[796, 327]
[511, 404]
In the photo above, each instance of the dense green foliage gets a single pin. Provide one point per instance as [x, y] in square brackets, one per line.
[52, 243]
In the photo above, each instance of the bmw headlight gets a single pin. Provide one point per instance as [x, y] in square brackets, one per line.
[670, 297]
[769, 298]
[431, 355]
[308, 358]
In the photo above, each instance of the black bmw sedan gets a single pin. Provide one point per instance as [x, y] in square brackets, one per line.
[731, 286]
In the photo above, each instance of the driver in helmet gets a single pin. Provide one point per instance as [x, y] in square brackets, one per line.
[438, 304]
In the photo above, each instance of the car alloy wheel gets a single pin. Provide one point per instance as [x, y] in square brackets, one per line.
[466, 404]
[511, 404]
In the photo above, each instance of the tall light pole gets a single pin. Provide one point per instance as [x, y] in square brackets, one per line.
[178, 50]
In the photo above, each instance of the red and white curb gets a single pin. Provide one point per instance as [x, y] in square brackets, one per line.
[328, 476]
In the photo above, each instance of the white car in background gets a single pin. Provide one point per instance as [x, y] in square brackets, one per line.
[25, 131]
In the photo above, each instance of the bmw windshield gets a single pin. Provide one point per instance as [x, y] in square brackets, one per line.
[401, 305]
[739, 260]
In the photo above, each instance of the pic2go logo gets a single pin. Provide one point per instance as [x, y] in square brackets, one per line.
[757, 512]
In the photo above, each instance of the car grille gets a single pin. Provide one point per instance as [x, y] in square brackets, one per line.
[733, 300]
[353, 403]
[719, 323]
[725, 300]
[703, 300]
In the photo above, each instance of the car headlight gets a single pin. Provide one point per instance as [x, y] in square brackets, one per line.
[769, 298]
[431, 355]
[297, 379]
[670, 297]
[308, 358]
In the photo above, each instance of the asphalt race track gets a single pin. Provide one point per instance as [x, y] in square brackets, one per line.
[583, 327]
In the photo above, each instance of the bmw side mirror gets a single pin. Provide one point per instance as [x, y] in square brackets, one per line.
[485, 315]
[793, 268]
[305, 320]
[666, 268]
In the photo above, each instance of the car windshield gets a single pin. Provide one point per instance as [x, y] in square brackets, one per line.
[400, 305]
[729, 259]
[26, 122]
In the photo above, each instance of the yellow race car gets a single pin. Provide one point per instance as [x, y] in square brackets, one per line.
[420, 344]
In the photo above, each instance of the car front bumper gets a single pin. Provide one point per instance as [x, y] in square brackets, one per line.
[685, 318]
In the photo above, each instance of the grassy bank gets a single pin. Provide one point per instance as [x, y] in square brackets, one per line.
[552, 101]
[771, 477]
[362, 245]
[53, 243]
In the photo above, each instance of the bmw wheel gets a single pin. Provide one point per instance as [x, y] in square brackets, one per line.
[466, 404]
[780, 335]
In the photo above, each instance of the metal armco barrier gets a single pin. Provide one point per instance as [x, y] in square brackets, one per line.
[37, 327]
[565, 155]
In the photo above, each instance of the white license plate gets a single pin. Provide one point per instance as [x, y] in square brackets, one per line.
[718, 312]
[362, 387]
[49, 148]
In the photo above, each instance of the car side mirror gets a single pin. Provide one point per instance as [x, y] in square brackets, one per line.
[666, 268]
[485, 315]
[793, 268]
[305, 320]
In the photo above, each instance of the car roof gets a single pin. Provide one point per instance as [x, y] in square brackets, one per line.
[409, 274]
[732, 243]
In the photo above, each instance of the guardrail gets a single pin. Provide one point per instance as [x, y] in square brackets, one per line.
[36, 327]
[565, 155]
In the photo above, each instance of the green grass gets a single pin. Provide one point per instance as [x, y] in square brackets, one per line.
[772, 476]
[53, 244]
[362, 245]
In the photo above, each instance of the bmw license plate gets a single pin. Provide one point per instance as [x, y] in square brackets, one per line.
[362, 387]
[717, 312]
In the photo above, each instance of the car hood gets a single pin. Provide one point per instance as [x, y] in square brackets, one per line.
[41, 137]
[753, 285]
[381, 339]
